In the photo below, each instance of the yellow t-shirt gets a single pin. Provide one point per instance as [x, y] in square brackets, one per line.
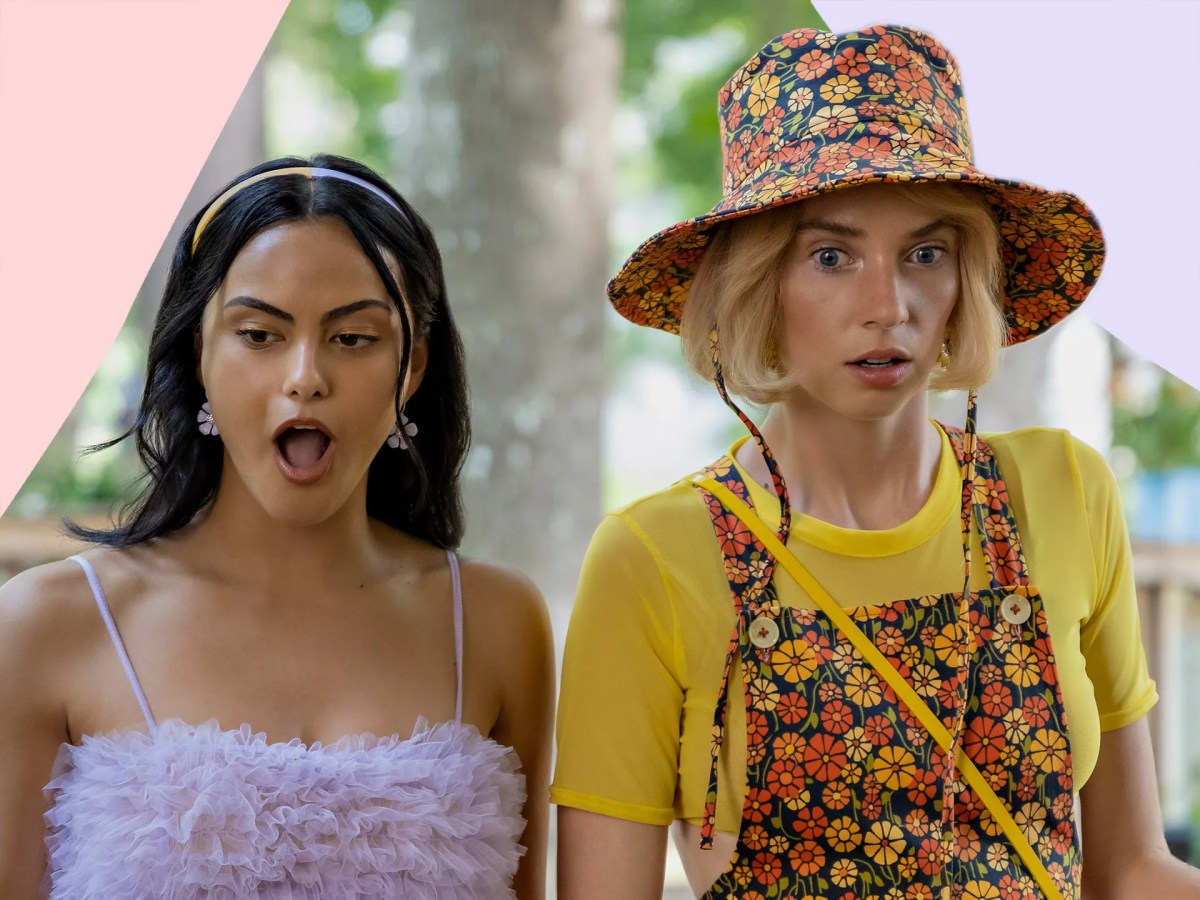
[653, 617]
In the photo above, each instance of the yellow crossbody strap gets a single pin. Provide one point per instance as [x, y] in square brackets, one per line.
[903, 689]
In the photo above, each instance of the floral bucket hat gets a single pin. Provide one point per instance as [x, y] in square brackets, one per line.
[814, 112]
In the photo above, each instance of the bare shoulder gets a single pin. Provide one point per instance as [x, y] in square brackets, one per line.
[46, 614]
[508, 630]
[40, 604]
[504, 601]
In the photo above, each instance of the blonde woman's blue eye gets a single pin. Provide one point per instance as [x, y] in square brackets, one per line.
[928, 255]
[828, 257]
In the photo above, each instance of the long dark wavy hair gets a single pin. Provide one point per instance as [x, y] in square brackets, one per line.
[416, 491]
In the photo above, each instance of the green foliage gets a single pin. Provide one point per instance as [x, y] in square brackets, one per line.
[677, 55]
[337, 41]
[1167, 435]
[66, 488]
[721, 36]
[66, 482]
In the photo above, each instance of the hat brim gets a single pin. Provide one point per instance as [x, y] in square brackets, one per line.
[1052, 246]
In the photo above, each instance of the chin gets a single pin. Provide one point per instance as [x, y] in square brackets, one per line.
[878, 406]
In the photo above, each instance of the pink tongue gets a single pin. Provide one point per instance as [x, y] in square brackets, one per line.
[302, 448]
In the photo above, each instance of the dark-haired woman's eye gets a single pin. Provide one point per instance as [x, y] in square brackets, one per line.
[257, 337]
[353, 341]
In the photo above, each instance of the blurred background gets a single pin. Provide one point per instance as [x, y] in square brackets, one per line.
[543, 140]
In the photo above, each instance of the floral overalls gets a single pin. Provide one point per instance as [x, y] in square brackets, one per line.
[848, 796]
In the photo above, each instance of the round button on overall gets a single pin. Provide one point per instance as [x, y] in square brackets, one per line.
[1015, 609]
[764, 632]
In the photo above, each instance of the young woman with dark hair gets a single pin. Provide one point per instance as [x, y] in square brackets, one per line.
[283, 595]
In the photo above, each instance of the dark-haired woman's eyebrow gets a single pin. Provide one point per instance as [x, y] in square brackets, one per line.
[261, 306]
[350, 308]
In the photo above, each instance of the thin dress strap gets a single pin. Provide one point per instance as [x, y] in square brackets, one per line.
[458, 635]
[106, 614]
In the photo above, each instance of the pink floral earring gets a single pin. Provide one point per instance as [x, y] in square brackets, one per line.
[402, 429]
[204, 418]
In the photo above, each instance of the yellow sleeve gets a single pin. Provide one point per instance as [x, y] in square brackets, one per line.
[1110, 638]
[621, 698]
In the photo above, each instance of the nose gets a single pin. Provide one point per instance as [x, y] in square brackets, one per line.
[885, 303]
[305, 377]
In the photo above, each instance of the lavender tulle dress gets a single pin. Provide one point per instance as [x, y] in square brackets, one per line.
[192, 811]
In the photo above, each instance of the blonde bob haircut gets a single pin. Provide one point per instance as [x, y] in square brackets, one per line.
[736, 290]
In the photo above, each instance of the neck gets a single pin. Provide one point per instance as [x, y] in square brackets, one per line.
[862, 474]
[249, 546]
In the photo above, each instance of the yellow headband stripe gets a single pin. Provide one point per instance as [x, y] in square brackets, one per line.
[215, 206]
[306, 171]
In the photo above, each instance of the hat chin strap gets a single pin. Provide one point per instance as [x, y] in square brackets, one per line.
[781, 491]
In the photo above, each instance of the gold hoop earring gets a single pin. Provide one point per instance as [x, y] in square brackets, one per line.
[943, 359]
[771, 357]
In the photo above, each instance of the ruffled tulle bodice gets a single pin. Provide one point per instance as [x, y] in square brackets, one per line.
[184, 812]
[197, 811]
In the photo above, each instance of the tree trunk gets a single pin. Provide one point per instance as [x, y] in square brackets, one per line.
[508, 157]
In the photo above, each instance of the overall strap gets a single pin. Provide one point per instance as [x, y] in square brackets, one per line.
[750, 588]
[456, 581]
[106, 615]
[968, 461]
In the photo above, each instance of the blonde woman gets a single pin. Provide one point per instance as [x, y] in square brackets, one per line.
[864, 654]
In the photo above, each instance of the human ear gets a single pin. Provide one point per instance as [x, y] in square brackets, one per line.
[417, 361]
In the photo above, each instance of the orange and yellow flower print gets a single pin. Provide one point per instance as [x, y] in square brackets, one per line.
[848, 796]
[815, 110]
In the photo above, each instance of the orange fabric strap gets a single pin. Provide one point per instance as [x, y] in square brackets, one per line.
[903, 689]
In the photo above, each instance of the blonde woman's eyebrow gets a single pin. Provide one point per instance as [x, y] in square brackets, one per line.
[926, 230]
[830, 226]
[850, 231]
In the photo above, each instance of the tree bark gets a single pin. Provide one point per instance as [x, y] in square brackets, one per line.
[508, 157]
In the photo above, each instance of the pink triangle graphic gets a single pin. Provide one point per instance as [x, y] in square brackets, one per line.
[110, 108]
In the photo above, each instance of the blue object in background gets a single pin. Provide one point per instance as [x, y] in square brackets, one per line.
[1165, 506]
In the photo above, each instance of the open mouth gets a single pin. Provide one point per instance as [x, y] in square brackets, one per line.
[879, 362]
[304, 452]
[882, 368]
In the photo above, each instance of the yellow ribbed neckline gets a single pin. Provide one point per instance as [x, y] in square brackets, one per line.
[942, 503]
